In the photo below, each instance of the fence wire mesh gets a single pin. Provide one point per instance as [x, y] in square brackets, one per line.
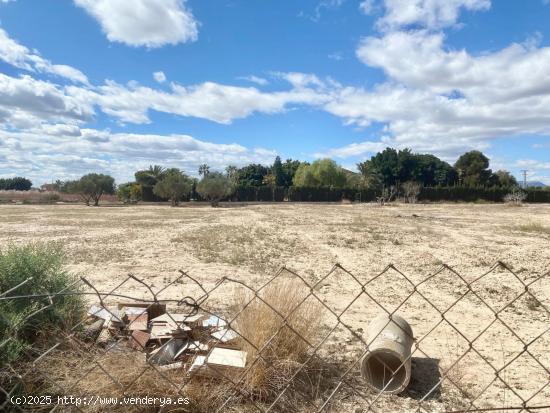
[479, 344]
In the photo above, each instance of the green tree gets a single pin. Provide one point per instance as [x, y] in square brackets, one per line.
[277, 172]
[91, 187]
[204, 169]
[321, 173]
[148, 178]
[473, 169]
[270, 180]
[232, 173]
[129, 193]
[252, 175]
[214, 187]
[289, 170]
[505, 179]
[385, 165]
[391, 167]
[173, 186]
[15, 184]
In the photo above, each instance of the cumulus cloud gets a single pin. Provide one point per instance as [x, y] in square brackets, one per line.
[46, 158]
[21, 57]
[532, 163]
[213, 101]
[150, 23]
[353, 149]
[159, 77]
[25, 102]
[433, 14]
[439, 99]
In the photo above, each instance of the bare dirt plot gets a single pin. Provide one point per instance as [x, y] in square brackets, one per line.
[250, 242]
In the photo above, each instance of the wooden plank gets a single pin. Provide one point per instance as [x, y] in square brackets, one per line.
[138, 322]
[139, 339]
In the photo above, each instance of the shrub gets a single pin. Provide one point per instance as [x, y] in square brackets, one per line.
[173, 186]
[42, 266]
[516, 197]
[214, 187]
[411, 190]
[129, 193]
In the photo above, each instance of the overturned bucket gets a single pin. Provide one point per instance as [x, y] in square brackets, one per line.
[387, 366]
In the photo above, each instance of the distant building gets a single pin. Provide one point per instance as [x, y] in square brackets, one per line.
[48, 187]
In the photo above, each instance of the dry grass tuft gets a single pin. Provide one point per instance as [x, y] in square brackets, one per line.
[272, 339]
[534, 227]
[80, 370]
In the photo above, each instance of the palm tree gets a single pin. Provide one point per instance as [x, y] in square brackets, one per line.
[204, 169]
[156, 171]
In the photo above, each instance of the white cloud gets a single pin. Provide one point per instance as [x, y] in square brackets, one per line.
[441, 100]
[353, 149]
[433, 14]
[21, 57]
[255, 79]
[150, 23]
[159, 76]
[367, 6]
[209, 100]
[533, 164]
[26, 102]
[44, 158]
[338, 56]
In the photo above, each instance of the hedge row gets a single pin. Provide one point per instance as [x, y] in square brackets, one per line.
[300, 194]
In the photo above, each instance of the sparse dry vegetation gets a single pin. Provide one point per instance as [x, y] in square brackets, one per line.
[247, 243]
[279, 327]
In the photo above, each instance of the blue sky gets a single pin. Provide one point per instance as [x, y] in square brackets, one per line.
[115, 85]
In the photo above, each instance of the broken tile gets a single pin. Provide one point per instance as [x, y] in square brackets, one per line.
[138, 339]
[225, 335]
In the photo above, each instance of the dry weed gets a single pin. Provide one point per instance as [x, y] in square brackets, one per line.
[84, 371]
[271, 331]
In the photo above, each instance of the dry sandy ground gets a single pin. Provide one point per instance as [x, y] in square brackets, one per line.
[250, 243]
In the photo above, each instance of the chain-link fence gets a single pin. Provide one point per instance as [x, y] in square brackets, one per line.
[479, 343]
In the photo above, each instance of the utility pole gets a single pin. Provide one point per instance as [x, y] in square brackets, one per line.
[524, 172]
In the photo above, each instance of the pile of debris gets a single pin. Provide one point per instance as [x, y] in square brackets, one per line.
[199, 344]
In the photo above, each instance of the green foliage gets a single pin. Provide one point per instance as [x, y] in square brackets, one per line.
[390, 167]
[252, 175]
[214, 187]
[505, 179]
[289, 170]
[91, 187]
[15, 184]
[232, 173]
[173, 186]
[42, 266]
[149, 177]
[204, 169]
[129, 193]
[472, 168]
[321, 173]
[277, 172]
